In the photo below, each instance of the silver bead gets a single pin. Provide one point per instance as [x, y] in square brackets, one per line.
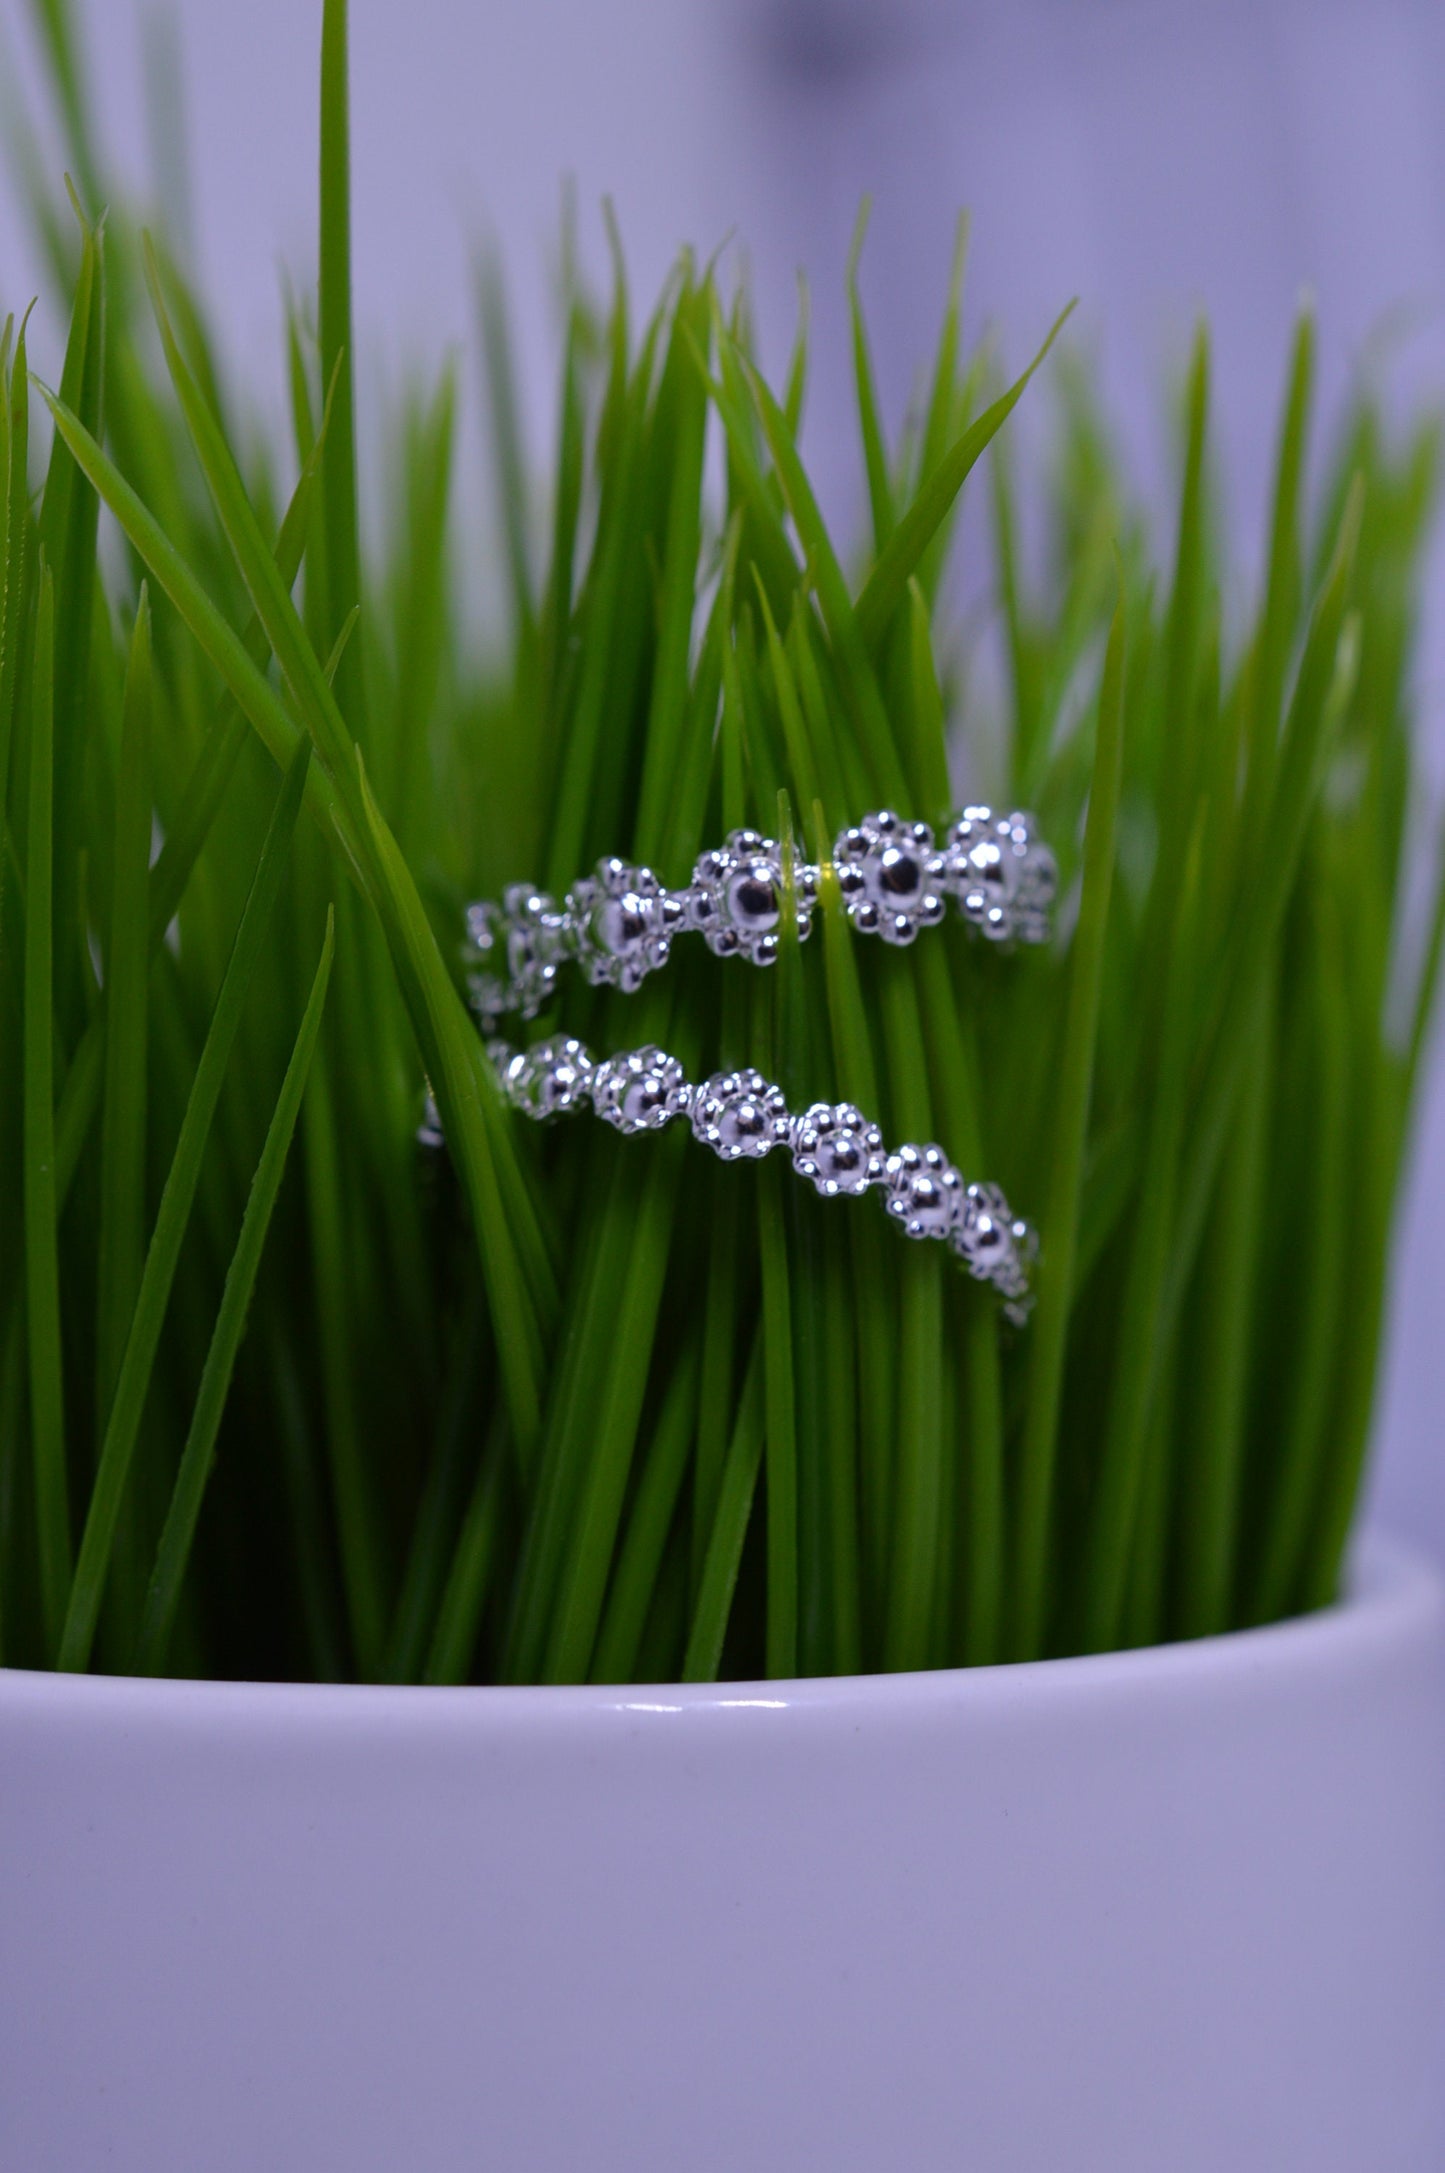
[550, 1079]
[1003, 878]
[890, 876]
[924, 1191]
[996, 1246]
[621, 923]
[736, 898]
[527, 937]
[740, 1115]
[837, 1149]
[641, 1090]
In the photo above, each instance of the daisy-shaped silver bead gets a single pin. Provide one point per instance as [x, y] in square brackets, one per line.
[923, 1191]
[736, 897]
[550, 1079]
[1003, 877]
[740, 1115]
[890, 876]
[996, 1245]
[621, 924]
[641, 1090]
[837, 1149]
[524, 938]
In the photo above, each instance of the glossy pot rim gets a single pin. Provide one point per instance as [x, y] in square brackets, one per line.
[1395, 1597]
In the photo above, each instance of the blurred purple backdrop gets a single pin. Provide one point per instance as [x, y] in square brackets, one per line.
[1154, 159]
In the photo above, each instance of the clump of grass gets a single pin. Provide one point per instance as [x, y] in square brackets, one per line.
[284, 1393]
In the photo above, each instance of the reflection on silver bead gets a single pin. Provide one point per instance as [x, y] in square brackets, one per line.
[1003, 878]
[736, 898]
[924, 1191]
[621, 923]
[890, 877]
[740, 1115]
[641, 1090]
[836, 1147]
[550, 1079]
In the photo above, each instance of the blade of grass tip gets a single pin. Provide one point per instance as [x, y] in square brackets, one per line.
[338, 465]
[1048, 1335]
[276, 728]
[795, 732]
[1282, 586]
[178, 1532]
[201, 800]
[42, 1257]
[942, 399]
[504, 436]
[1144, 1321]
[795, 384]
[1326, 682]
[459, 1616]
[513, 1245]
[566, 510]
[677, 601]
[163, 1253]
[1182, 643]
[875, 454]
[725, 1548]
[750, 492]
[67, 523]
[825, 576]
[635, 1579]
[120, 1246]
[883, 590]
[63, 49]
[1210, 1508]
[16, 565]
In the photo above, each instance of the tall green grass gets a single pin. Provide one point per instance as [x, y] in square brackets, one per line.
[284, 1392]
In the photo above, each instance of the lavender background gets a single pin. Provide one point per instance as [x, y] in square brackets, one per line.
[1156, 159]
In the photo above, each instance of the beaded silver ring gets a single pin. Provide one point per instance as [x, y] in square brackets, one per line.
[619, 923]
[742, 1116]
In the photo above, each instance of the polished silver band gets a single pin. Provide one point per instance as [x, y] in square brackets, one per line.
[618, 924]
[742, 1117]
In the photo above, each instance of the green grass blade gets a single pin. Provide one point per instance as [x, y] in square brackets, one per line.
[178, 1532]
[163, 1253]
[338, 466]
[121, 1241]
[1212, 1491]
[15, 567]
[725, 1549]
[640, 1559]
[454, 1642]
[1049, 1328]
[884, 588]
[875, 454]
[42, 1262]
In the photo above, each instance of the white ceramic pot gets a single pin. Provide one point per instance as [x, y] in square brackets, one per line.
[1178, 1911]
